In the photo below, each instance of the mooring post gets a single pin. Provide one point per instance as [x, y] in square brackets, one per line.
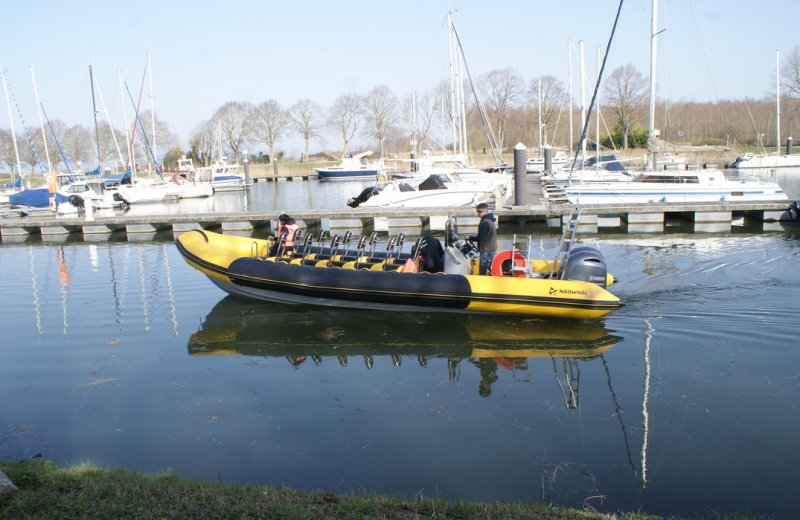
[520, 175]
[789, 145]
[246, 168]
[548, 160]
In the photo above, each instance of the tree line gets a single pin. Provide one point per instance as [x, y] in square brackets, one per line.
[389, 123]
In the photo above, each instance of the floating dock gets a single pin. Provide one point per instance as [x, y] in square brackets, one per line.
[643, 218]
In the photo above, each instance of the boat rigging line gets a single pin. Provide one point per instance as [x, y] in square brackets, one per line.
[596, 89]
[493, 144]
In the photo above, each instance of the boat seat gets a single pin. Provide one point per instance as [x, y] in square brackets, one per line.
[343, 262]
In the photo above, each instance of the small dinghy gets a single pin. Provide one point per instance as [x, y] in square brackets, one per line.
[430, 278]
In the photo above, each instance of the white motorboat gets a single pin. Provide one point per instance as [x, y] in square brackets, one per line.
[438, 190]
[80, 190]
[675, 187]
[355, 167]
[750, 160]
[222, 175]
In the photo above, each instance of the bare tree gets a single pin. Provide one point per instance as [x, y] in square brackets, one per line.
[54, 133]
[109, 141]
[419, 113]
[269, 123]
[7, 154]
[345, 116]
[77, 145]
[553, 96]
[790, 76]
[164, 140]
[233, 121]
[502, 91]
[202, 142]
[380, 107]
[31, 152]
[305, 115]
[626, 91]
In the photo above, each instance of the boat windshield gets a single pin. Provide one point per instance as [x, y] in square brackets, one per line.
[668, 179]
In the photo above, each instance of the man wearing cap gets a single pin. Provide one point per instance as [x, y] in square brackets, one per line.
[486, 237]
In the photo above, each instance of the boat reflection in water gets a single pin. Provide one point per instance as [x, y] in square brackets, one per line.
[299, 333]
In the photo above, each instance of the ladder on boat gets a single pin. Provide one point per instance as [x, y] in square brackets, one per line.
[567, 240]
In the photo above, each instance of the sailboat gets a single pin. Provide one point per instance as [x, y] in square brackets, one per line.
[776, 159]
[671, 186]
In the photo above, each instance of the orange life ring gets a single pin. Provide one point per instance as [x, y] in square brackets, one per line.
[502, 266]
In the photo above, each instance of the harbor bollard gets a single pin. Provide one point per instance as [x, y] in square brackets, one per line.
[520, 175]
[789, 145]
[548, 160]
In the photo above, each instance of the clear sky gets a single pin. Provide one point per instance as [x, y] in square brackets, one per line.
[206, 53]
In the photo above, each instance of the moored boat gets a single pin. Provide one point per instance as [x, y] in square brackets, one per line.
[677, 187]
[355, 167]
[574, 287]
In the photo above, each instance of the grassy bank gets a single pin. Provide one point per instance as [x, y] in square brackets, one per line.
[84, 491]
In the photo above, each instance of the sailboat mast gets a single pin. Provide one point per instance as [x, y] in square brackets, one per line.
[597, 114]
[583, 99]
[41, 121]
[778, 102]
[11, 124]
[539, 111]
[651, 122]
[451, 46]
[569, 89]
[94, 113]
[152, 104]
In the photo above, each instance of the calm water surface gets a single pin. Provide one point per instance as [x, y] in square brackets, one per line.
[683, 401]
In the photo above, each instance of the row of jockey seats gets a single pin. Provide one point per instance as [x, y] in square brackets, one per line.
[338, 254]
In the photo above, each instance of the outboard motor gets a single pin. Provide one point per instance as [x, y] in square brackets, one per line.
[117, 196]
[586, 264]
[77, 201]
[364, 196]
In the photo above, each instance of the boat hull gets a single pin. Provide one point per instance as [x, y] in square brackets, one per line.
[234, 265]
[338, 174]
[768, 161]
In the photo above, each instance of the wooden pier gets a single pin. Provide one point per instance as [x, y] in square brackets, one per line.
[643, 218]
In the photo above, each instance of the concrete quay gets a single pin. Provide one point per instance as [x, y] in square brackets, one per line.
[648, 218]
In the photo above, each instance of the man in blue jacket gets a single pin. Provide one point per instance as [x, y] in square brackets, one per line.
[486, 238]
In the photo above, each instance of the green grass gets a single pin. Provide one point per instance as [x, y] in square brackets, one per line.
[85, 491]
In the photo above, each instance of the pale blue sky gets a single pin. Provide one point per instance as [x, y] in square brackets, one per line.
[206, 53]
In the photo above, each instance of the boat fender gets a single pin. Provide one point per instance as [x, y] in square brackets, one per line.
[77, 201]
[502, 264]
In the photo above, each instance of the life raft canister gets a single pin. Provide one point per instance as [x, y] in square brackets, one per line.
[503, 265]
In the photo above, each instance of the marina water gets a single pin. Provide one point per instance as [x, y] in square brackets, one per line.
[683, 401]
